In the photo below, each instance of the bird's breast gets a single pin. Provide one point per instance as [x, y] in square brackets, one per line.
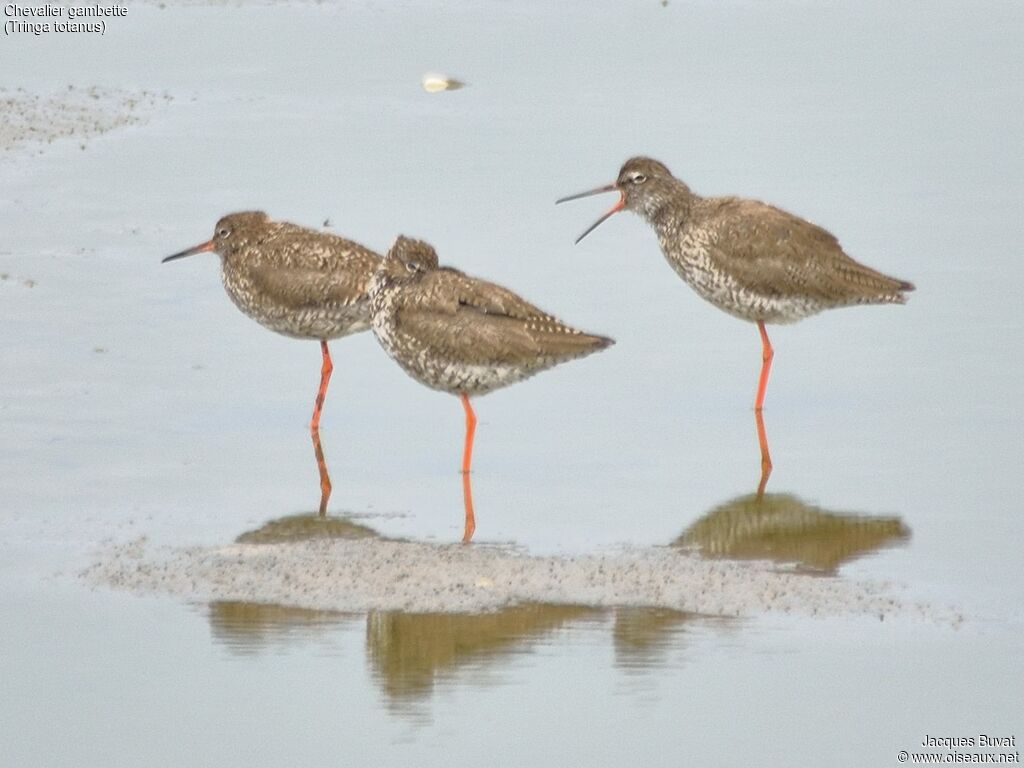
[383, 317]
[325, 320]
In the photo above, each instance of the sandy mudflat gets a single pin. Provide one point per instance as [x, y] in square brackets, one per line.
[32, 119]
[377, 574]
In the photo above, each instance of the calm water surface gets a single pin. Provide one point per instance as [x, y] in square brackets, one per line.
[135, 400]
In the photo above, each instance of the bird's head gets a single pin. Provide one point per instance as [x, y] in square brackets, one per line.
[408, 259]
[232, 233]
[643, 184]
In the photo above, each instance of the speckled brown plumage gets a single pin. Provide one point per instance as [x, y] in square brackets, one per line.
[296, 281]
[750, 259]
[463, 335]
[746, 257]
[460, 334]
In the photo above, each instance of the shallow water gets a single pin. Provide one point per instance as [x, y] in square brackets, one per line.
[137, 401]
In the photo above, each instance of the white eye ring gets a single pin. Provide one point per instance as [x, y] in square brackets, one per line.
[638, 178]
[412, 266]
[223, 231]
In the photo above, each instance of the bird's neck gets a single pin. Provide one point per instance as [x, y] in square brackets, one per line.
[669, 209]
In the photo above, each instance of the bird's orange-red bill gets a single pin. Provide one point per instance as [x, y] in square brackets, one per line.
[201, 248]
[619, 205]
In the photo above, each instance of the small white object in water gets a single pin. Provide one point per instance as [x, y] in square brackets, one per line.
[434, 82]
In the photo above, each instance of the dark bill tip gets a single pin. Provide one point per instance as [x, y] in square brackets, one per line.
[201, 248]
[588, 193]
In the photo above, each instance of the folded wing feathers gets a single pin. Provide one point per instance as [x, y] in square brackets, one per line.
[313, 271]
[783, 253]
[477, 320]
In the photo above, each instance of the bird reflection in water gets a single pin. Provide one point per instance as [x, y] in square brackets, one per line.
[247, 628]
[783, 528]
[305, 527]
[642, 636]
[410, 653]
[407, 652]
[321, 466]
[766, 458]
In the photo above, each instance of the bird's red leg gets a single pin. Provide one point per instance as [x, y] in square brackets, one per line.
[325, 376]
[767, 353]
[467, 456]
[321, 465]
[766, 459]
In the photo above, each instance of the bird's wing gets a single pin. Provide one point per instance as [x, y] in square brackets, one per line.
[304, 272]
[467, 320]
[775, 253]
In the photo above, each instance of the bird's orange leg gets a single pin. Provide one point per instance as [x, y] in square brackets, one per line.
[467, 457]
[321, 465]
[767, 353]
[325, 377]
[766, 459]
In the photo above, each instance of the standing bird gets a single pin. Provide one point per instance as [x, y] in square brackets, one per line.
[298, 282]
[463, 335]
[746, 257]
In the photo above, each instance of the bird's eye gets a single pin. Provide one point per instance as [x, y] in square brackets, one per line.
[638, 178]
[223, 232]
[412, 266]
